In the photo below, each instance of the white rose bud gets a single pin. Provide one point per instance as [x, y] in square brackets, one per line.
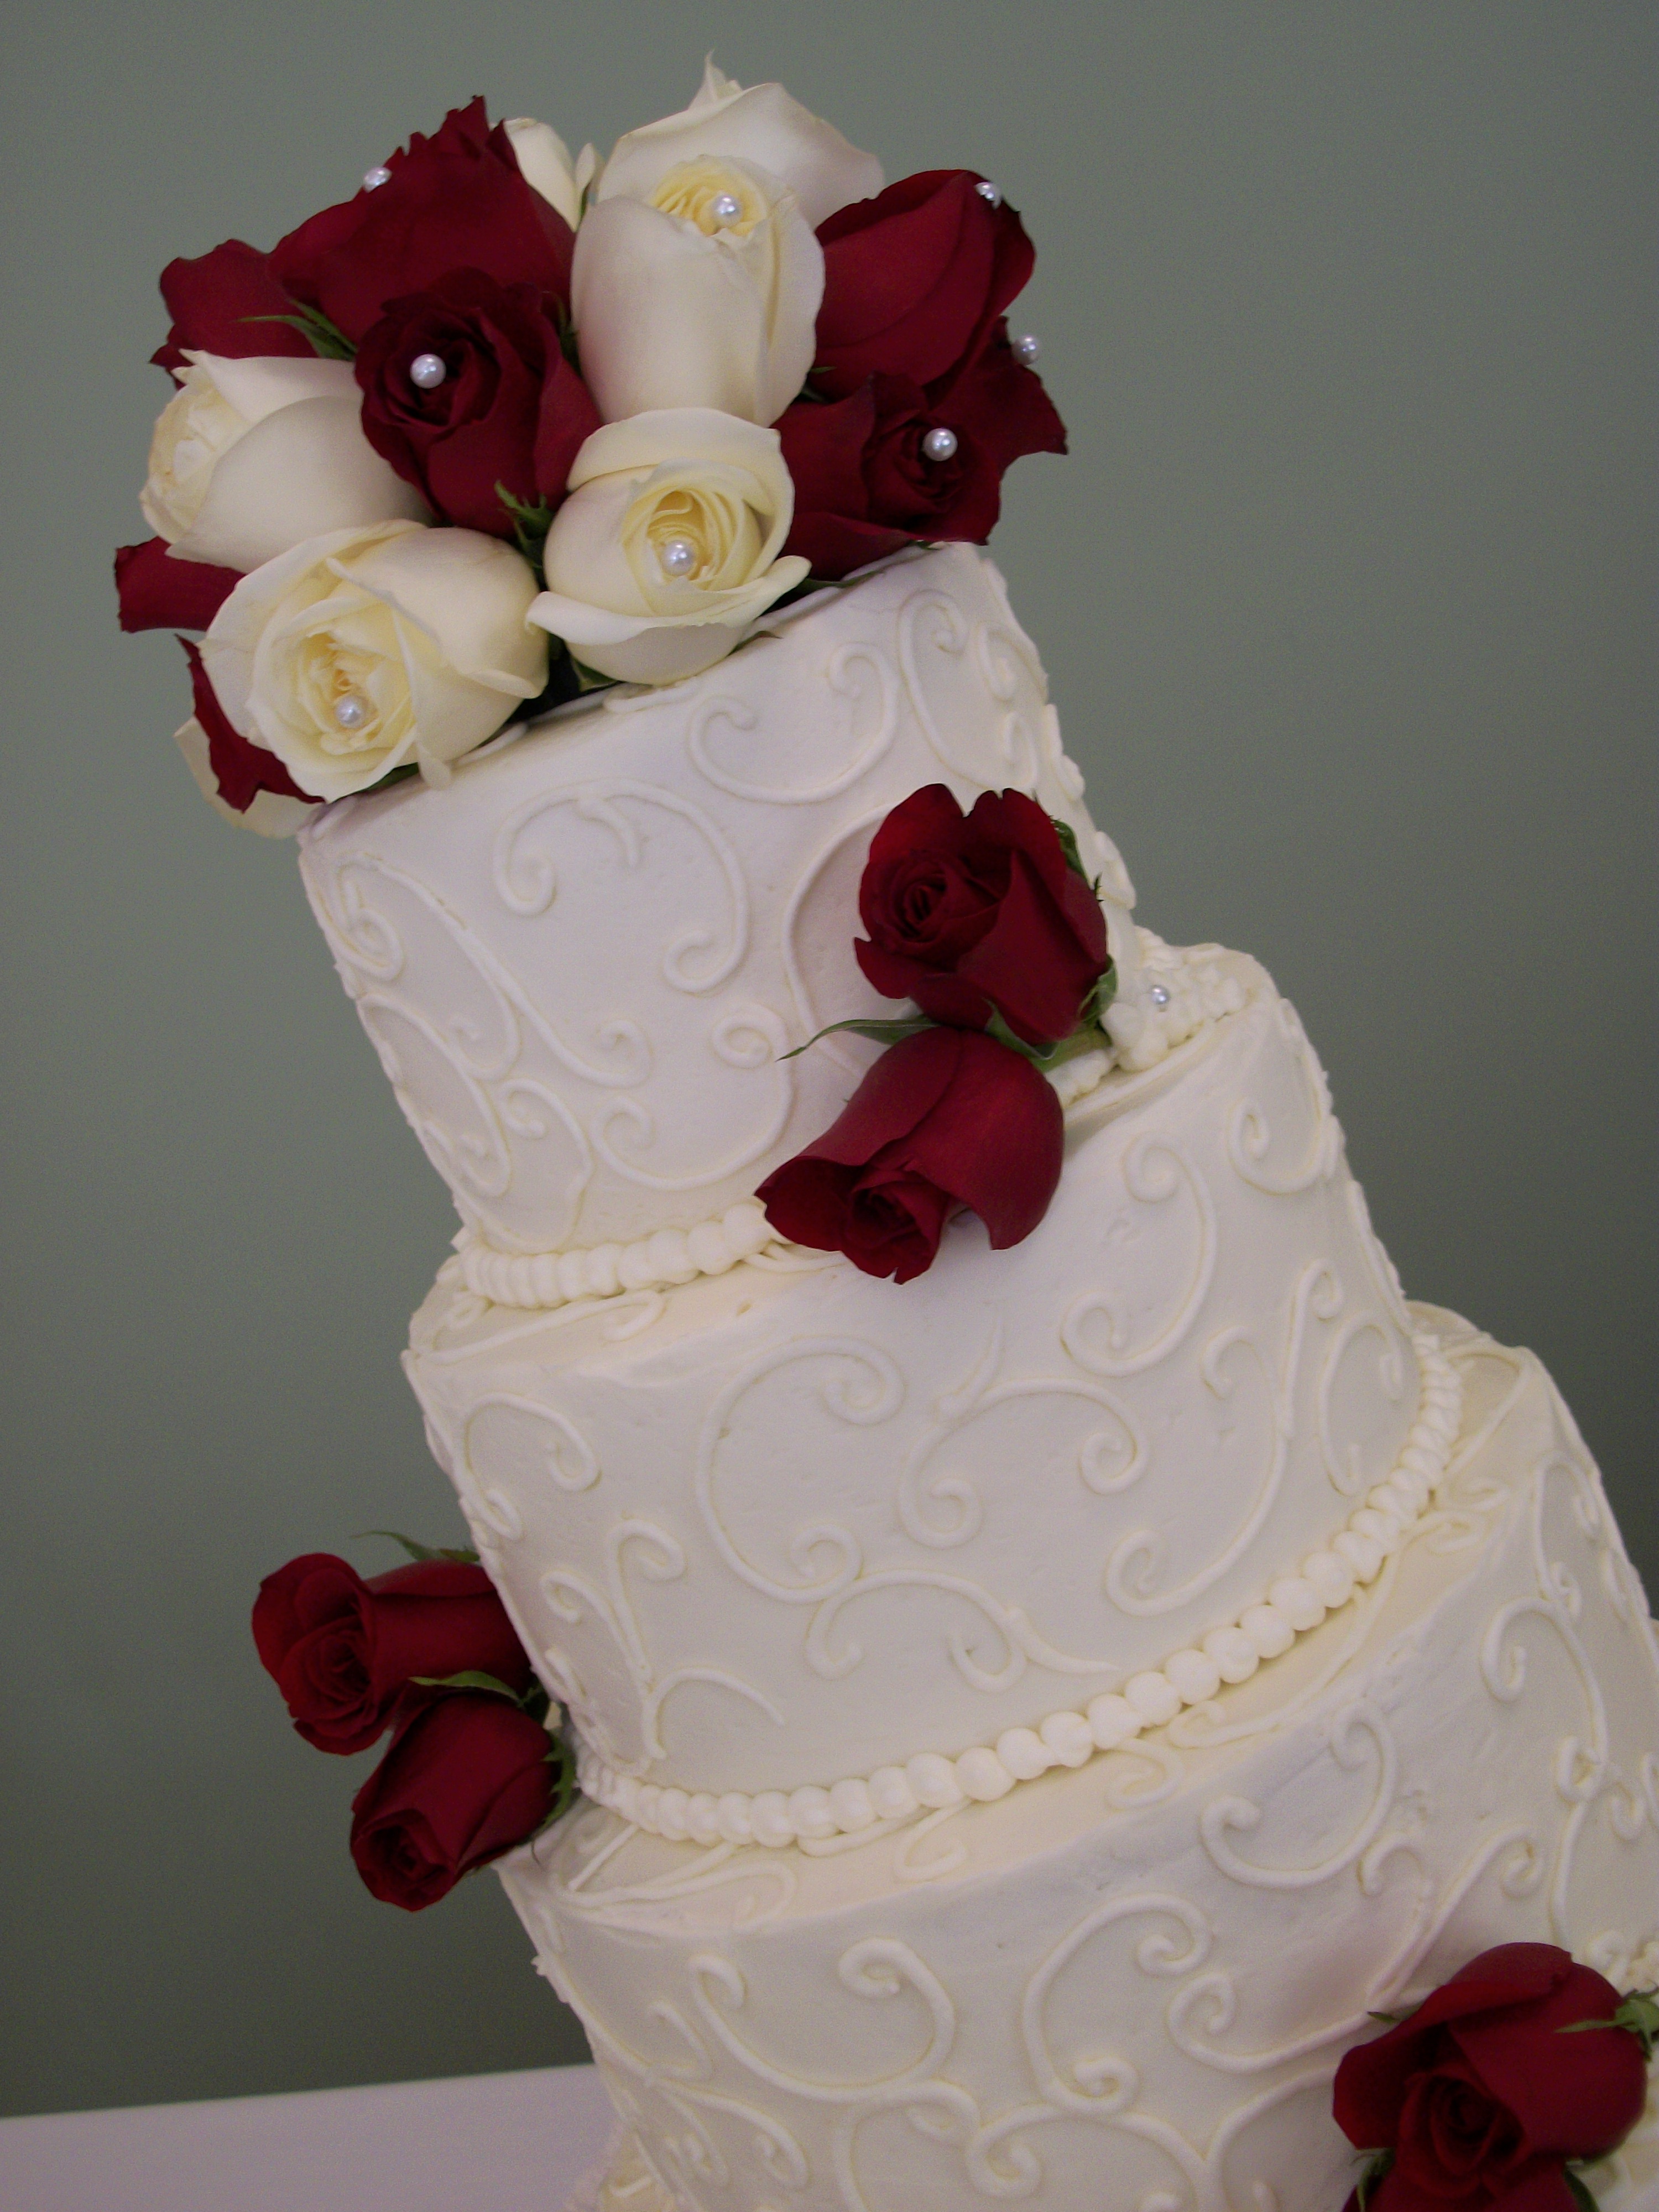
[666, 550]
[250, 456]
[545, 164]
[697, 279]
[366, 650]
[707, 295]
[762, 125]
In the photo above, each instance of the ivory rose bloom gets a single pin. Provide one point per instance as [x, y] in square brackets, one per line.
[545, 164]
[666, 548]
[696, 279]
[251, 456]
[367, 650]
[761, 125]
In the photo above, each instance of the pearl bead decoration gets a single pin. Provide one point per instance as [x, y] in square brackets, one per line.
[940, 445]
[988, 191]
[676, 556]
[375, 177]
[726, 205]
[1159, 995]
[352, 710]
[1029, 349]
[429, 371]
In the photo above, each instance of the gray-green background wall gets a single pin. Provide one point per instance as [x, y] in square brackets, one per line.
[1342, 594]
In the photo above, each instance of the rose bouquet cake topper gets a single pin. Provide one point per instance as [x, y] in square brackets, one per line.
[503, 425]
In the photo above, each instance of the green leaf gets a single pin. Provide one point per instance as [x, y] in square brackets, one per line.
[531, 520]
[327, 339]
[470, 1678]
[591, 679]
[1068, 844]
[1638, 2015]
[1379, 2163]
[459, 1554]
[1582, 2195]
[878, 1032]
[1388, 2019]
[562, 1759]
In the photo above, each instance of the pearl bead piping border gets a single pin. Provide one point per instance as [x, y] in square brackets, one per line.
[1295, 1603]
[1195, 993]
[668, 1257]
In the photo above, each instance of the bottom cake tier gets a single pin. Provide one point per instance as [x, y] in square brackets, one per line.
[1125, 1987]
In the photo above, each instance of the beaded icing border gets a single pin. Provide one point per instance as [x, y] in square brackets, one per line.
[1294, 1604]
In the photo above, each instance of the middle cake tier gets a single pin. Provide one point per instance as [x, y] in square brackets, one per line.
[792, 1530]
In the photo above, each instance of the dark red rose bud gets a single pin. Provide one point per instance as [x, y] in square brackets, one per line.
[465, 1780]
[456, 200]
[155, 591]
[1482, 2097]
[226, 302]
[969, 914]
[866, 482]
[343, 1651]
[508, 408]
[240, 769]
[946, 1118]
[914, 279]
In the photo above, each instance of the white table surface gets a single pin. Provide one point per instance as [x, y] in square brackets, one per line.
[488, 2142]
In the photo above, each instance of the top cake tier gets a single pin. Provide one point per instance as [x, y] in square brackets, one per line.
[583, 963]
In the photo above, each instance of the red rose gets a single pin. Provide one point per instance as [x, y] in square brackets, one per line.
[155, 591]
[914, 279]
[510, 409]
[343, 1650]
[1480, 2096]
[864, 484]
[465, 1780]
[454, 201]
[982, 912]
[947, 1118]
[226, 302]
[241, 769]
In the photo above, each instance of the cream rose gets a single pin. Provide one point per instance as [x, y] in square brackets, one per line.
[706, 295]
[545, 164]
[762, 125]
[366, 650]
[697, 279]
[251, 456]
[666, 550]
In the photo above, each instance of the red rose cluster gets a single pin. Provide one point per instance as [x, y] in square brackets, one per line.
[918, 401]
[1521, 2065]
[428, 1651]
[986, 921]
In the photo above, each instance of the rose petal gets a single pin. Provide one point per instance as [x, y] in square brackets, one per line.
[156, 591]
[302, 472]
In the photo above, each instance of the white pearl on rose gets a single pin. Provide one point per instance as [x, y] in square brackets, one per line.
[1159, 995]
[352, 710]
[988, 190]
[677, 557]
[726, 205]
[940, 445]
[429, 370]
[375, 177]
[1027, 348]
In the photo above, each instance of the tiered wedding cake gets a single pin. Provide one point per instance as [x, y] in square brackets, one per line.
[1054, 1644]
[1036, 1714]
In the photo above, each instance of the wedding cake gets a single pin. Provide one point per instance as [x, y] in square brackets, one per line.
[1047, 1674]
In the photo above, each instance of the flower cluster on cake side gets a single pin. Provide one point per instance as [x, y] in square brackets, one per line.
[506, 425]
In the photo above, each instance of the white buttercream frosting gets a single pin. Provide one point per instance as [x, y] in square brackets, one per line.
[1129, 1984]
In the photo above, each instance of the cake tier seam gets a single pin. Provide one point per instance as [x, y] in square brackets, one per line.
[1295, 1603]
[1186, 994]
